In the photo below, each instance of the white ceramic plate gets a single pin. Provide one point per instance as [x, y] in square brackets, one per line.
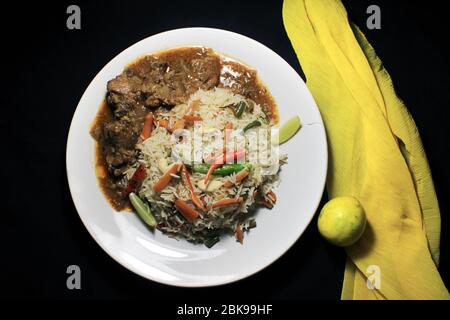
[160, 258]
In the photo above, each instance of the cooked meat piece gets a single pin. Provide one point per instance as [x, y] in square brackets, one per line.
[118, 162]
[124, 84]
[157, 80]
[119, 139]
[120, 104]
[121, 133]
[124, 93]
[153, 82]
[148, 67]
[152, 101]
[160, 94]
[172, 94]
[207, 71]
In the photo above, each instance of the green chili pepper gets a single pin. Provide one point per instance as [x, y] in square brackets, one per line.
[240, 107]
[211, 241]
[201, 168]
[252, 124]
[265, 120]
[142, 209]
[224, 170]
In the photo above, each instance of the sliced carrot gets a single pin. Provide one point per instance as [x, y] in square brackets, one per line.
[147, 128]
[189, 116]
[272, 196]
[233, 156]
[192, 118]
[179, 124]
[239, 233]
[228, 127]
[265, 203]
[227, 202]
[239, 177]
[194, 106]
[166, 177]
[186, 210]
[196, 200]
[269, 203]
[211, 169]
[224, 158]
[188, 183]
[163, 123]
[138, 176]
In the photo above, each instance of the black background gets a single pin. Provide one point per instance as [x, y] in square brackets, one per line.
[47, 69]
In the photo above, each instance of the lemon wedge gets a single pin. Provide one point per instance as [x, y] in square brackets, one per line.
[287, 130]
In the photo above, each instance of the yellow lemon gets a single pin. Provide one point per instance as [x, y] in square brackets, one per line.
[342, 221]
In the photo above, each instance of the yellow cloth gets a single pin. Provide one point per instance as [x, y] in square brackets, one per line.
[375, 155]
